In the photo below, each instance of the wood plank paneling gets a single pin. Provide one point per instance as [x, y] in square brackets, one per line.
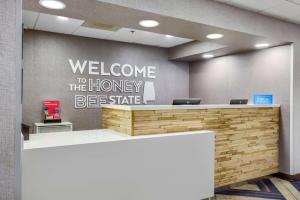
[247, 139]
[118, 120]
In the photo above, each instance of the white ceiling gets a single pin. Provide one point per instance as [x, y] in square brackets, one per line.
[46, 22]
[288, 10]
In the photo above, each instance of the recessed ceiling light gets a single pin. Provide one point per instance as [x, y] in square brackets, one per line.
[206, 56]
[149, 23]
[169, 36]
[262, 45]
[214, 36]
[52, 4]
[62, 18]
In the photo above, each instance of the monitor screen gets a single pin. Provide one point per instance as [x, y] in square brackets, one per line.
[263, 99]
[239, 101]
[186, 101]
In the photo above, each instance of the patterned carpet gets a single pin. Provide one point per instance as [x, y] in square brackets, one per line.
[261, 189]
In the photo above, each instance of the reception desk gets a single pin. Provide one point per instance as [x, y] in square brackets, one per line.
[106, 165]
[247, 136]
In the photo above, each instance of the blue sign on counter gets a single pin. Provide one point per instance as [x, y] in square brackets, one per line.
[263, 99]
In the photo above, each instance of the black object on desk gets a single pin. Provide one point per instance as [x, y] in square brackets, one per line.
[238, 101]
[186, 101]
[49, 121]
[25, 131]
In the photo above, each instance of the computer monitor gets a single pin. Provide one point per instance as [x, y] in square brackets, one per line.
[238, 101]
[186, 101]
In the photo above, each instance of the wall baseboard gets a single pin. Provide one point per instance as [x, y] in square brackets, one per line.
[288, 177]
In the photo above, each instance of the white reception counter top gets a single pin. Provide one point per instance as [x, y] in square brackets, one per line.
[171, 107]
[45, 140]
[61, 139]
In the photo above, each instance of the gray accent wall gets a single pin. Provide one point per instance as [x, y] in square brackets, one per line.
[218, 80]
[47, 73]
[10, 101]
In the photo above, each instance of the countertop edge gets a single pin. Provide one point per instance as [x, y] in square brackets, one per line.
[43, 143]
[190, 107]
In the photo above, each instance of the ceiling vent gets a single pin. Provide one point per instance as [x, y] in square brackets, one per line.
[100, 26]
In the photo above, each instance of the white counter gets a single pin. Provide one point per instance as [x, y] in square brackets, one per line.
[46, 140]
[104, 164]
[171, 107]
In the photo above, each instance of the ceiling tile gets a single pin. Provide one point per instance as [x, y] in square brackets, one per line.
[160, 40]
[51, 23]
[223, 1]
[92, 32]
[256, 5]
[29, 18]
[171, 42]
[149, 38]
[146, 38]
[123, 35]
[286, 11]
[295, 1]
